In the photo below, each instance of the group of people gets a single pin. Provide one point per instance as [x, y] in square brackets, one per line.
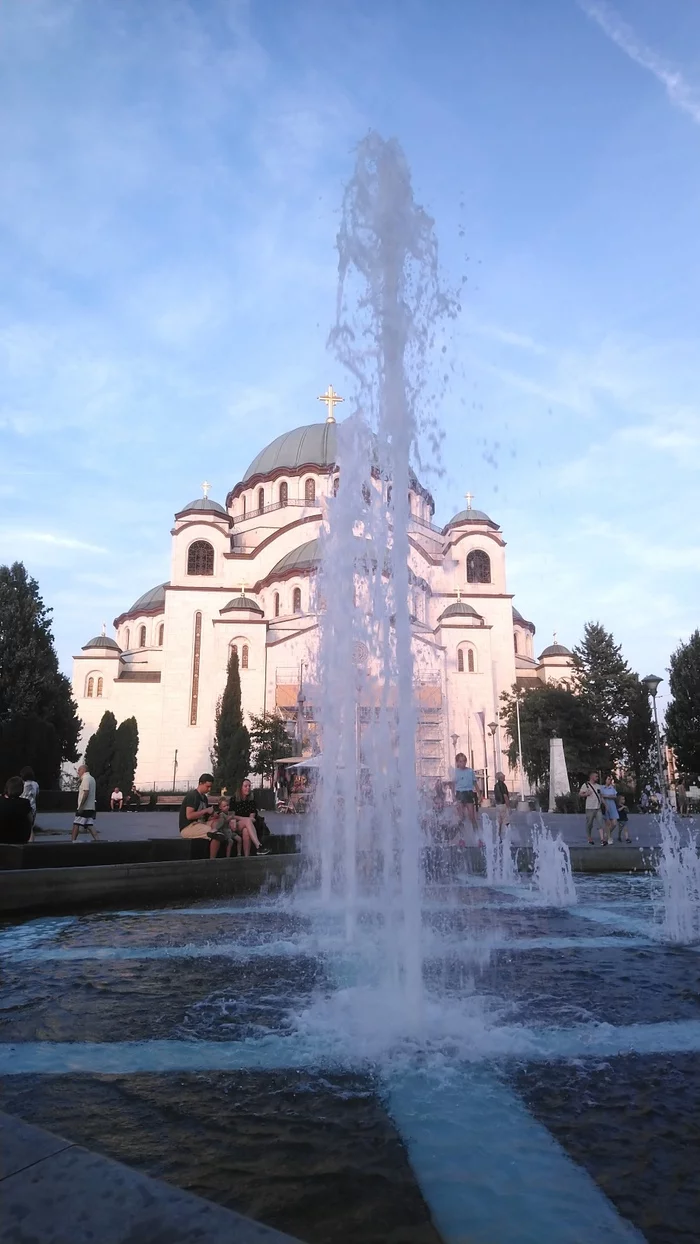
[605, 809]
[235, 822]
[464, 787]
[18, 808]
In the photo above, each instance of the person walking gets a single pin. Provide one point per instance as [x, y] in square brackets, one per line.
[85, 813]
[612, 816]
[590, 791]
[501, 798]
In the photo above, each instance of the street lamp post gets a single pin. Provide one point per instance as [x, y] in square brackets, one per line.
[651, 685]
[493, 727]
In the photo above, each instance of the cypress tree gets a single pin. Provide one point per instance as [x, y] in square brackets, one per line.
[32, 689]
[683, 713]
[126, 747]
[231, 750]
[100, 755]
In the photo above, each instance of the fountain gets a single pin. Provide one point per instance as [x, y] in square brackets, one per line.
[501, 868]
[552, 875]
[679, 870]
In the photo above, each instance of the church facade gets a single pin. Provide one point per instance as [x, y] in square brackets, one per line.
[242, 575]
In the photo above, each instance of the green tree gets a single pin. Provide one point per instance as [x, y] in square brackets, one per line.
[270, 742]
[99, 756]
[546, 711]
[126, 747]
[683, 713]
[31, 685]
[604, 682]
[640, 743]
[231, 751]
[30, 741]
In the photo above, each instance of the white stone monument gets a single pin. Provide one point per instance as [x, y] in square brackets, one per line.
[558, 777]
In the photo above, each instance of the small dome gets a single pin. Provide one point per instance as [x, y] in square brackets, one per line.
[555, 650]
[242, 602]
[102, 641]
[203, 504]
[459, 609]
[151, 602]
[519, 620]
[305, 557]
[470, 516]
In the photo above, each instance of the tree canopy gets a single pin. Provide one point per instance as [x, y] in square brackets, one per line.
[546, 711]
[270, 742]
[99, 756]
[126, 747]
[32, 689]
[604, 681]
[683, 713]
[231, 749]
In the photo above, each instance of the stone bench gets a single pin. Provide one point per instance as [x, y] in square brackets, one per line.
[149, 851]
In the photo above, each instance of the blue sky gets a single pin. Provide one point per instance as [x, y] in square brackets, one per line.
[172, 174]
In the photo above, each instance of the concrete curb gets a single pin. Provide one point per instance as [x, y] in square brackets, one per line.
[55, 1192]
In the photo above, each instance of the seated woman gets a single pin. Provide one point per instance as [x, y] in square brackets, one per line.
[222, 827]
[247, 818]
[15, 813]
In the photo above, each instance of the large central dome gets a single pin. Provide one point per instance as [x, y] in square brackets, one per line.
[312, 445]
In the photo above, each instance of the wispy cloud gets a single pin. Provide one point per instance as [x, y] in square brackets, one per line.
[681, 93]
[49, 538]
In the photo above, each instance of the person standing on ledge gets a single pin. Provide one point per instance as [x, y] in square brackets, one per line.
[195, 813]
[464, 785]
[84, 819]
[590, 791]
[501, 798]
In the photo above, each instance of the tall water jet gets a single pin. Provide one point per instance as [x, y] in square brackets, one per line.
[389, 305]
[679, 870]
[501, 868]
[552, 874]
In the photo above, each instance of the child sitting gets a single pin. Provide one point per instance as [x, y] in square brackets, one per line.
[223, 827]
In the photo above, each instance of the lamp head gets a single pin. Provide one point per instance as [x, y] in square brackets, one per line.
[493, 726]
[651, 684]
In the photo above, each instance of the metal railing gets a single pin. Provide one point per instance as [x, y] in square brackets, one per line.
[276, 505]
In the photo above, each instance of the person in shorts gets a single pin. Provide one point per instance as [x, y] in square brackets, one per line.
[85, 813]
[501, 798]
[590, 791]
[222, 827]
[195, 813]
[464, 786]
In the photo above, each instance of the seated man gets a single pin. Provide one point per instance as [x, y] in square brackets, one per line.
[15, 813]
[116, 800]
[195, 813]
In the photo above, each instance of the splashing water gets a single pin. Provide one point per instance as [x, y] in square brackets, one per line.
[552, 876]
[390, 303]
[679, 870]
[498, 850]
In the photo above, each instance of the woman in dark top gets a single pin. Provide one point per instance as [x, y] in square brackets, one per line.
[246, 814]
[15, 813]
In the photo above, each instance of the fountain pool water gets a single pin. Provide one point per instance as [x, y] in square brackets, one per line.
[679, 870]
[551, 874]
[375, 1057]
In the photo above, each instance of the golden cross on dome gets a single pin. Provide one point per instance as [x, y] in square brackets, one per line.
[104, 628]
[459, 593]
[469, 497]
[206, 488]
[330, 397]
[554, 636]
[242, 589]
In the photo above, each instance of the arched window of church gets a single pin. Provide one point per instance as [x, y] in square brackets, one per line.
[277, 604]
[310, 492]
[100, 684]
[200, 558]
[161, 633]
[284, 492]
[470, 660]
[244, 657]
[245, 505]
[460, 660]
[142, 637]
[515, 642]
[261, 499]
[478, 567]
[90, 687]
[296, 600]
[127, 638]
[336, 485]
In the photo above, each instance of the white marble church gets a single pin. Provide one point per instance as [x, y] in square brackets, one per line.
[242, 575]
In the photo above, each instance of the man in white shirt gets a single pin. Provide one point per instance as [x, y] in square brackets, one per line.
[84, 819]
[590, 791]
[116, 800]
